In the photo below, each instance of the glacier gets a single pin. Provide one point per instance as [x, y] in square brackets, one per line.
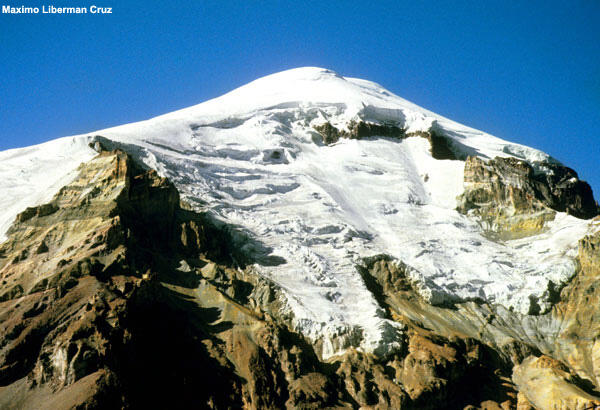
[253, 159]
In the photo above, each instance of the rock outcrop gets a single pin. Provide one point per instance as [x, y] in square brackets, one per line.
[547, 383]
[441, 146]
[512, 200]
[577, 312]
[358, 130]
[546, 361]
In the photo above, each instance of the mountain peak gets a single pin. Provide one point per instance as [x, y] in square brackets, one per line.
[303, 73]
[257, 158]
[307, 85]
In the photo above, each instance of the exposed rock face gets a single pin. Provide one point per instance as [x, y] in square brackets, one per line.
[551, 359]
[329, 133]
[560, 188]
[559, 388]
[441, 147]
[577, 312]
[512, 200]
[358, 130]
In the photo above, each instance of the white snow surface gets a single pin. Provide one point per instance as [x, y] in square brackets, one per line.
[251, 158]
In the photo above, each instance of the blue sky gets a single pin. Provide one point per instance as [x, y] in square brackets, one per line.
[524, 71]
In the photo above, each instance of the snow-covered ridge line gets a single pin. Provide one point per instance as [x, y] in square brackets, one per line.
[252, 158]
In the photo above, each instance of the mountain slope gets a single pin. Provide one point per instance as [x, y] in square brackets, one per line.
[319, 178]
[251, 158]
[119, 298]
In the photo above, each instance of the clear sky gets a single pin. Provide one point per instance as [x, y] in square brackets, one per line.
[527, 71]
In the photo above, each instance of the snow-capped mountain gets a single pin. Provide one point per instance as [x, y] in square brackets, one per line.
[305, 241]
[255, 159]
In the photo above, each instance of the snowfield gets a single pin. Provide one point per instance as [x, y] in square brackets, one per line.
[253, 159]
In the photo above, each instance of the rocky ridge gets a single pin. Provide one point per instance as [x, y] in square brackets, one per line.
[512, 200]
[441, 147]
